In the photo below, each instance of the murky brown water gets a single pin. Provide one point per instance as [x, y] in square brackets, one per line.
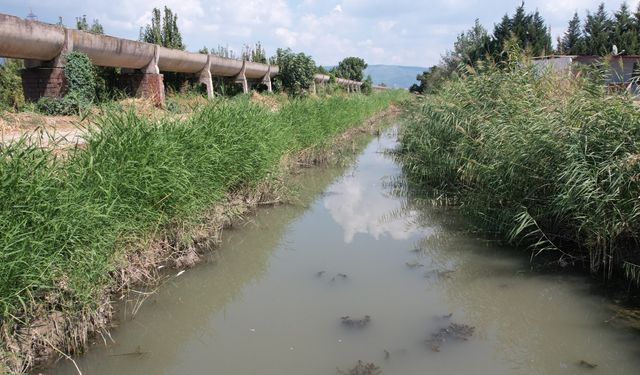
[259, 305]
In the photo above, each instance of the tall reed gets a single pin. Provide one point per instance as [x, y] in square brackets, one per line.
[546, 160]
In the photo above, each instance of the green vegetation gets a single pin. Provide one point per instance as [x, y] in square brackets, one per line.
[81, 87]
[528, 31]
[350, 68]
[11, 96]
[539, 160]
[163, 30]
[296, 71]
[65, 223]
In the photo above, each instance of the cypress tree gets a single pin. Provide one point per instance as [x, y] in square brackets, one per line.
[598, 32]
[501, 33]
[538, 36]
[625, 34]
[572, 42]
[520, 26]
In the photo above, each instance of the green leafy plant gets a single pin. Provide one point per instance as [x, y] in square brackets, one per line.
[11, 96]
[296, 71]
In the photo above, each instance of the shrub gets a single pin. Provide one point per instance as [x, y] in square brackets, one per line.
[296, 71]
[11, 96]
[81, 77]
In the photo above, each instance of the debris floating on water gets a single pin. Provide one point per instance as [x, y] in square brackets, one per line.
[453, 331]
[414, 264]
[356, 323]
[362, 368]
[585, 364]
[342, 276]
[180, 273]
[446, 274]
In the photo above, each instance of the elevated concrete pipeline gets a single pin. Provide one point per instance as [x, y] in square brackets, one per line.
[43, 47]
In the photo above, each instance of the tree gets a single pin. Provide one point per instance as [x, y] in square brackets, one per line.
[572, 42]
[322, 70]
[625, 33]
[367, 85]
[538, 40]
[82, 24]
[351, 68]
[430, 80]
[296, 70]
[255, 54]
[501, 34]
[469, 48]
[597, 31]
[224, 51]
[163, 30]
[528, 29]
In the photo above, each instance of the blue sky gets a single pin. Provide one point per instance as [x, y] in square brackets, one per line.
[402, 32]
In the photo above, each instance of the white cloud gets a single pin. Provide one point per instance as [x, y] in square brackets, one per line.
[405, 32]
[286, 36]
[386, 25]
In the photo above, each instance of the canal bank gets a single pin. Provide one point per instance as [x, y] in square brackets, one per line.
[289, 291]
[137, 196]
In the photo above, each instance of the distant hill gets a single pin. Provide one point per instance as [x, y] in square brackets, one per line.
[394, 75]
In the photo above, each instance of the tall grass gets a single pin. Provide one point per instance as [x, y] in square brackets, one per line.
[543, 160]
[63, 221]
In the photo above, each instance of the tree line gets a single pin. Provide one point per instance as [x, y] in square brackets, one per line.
[596, 34]
[599, 31]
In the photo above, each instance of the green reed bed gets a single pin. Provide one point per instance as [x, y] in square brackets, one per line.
[546, 161]
[64, 219]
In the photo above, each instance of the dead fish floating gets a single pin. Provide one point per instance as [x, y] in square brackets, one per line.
[356, 323]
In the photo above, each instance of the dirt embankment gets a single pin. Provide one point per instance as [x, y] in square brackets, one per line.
[52, 333]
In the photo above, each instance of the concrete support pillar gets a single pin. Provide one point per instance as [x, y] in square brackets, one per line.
[314, 89]
[46, 78]
[241, 78]
[204, 77]
[267, 80]
[146, 83]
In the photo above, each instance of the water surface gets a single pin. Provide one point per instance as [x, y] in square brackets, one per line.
[271, 298]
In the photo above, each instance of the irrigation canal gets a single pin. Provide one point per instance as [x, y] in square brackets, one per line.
[289, 292]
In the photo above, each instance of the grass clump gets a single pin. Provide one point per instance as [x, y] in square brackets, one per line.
[64, 222]
[542, 160]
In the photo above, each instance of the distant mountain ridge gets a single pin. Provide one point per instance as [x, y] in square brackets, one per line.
[396, 76]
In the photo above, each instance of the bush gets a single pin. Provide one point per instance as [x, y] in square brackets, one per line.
[66, 106]
[296, 71]
[81, 87]
[367, 86]
[81, 77]
[11, 95]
